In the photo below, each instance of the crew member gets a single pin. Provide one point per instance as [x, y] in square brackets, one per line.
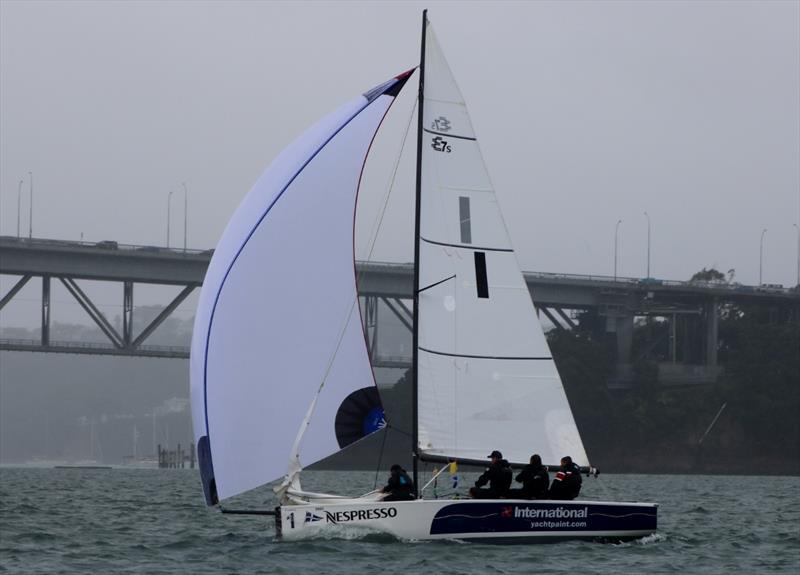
[399, 487]
[534, 479]
[567, 483]
[498, 475]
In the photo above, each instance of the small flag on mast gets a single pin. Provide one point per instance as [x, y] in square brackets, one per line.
[454, 473]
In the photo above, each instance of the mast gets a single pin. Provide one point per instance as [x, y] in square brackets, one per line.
[415, 325]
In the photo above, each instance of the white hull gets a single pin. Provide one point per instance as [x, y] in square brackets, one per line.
[471, 519]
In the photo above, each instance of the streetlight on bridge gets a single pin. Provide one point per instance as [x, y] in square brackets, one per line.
[761, 257]
[616, 244]
[169, 205]
[648, 244]
[798, 253]
[19, 198]
[30, 210]
[185, 211]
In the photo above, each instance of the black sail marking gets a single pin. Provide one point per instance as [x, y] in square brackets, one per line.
[469, 247]
[480, 275]
[449, 135]
[466, 223]
[473, 356]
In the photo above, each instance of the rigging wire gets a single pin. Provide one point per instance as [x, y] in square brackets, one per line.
[380, 456]
[398, 430]
[372, 247]
[348, 317]
[378, 223]
[376, 227]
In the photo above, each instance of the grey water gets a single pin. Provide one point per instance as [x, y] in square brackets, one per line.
[155, 521]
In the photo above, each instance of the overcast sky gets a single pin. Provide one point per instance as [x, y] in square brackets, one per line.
[586, 113]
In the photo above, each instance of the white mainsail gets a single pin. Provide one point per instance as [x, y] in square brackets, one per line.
[486, 378]
[278, 324]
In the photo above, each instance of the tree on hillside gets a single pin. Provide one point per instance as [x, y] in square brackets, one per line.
[759, 348]
[709, 275]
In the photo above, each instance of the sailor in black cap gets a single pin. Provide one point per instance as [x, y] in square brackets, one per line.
[498, 475]
[567, 483]
[535, 480]
[399, 487]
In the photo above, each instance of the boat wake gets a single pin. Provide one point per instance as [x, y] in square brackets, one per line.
[351, 533]
[651, 539]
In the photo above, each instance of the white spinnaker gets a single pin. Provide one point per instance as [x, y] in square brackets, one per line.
[486, 378]
[278, 314]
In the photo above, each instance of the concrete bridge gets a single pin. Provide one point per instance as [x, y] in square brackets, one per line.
[689, 307]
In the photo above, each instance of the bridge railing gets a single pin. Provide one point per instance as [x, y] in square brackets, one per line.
[17, 343]
[363, 266]
[654, 282]
[103, 245]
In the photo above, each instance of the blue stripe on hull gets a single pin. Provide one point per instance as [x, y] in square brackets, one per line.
[571, 519]
[543, 538]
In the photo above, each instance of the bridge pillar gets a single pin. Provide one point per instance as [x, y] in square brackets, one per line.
[673, 338]
[45, 311]
[712, 332]
[624, 329]
[127, 314]
[689, 340]
[371, 324]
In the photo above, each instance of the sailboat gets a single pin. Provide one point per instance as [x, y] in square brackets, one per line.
[281, 378]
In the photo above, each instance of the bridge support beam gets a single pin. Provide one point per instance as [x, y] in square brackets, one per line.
[551, 317]
[565, 317]
[163, 315]
[371, 325]
[13, 291]
[371, 322]
[127, 313]
[94, 313]
[624, 330]
[45, 311]
[712, 332]
[400, 310]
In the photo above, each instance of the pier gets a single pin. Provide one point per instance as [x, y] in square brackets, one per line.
[176, 458]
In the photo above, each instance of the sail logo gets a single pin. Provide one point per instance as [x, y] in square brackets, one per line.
[441, 124]
[440, 145]
[551, 513]
[337, 517]
[312, 517]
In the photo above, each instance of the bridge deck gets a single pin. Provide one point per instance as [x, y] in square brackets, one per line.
[111, 261]
[618, 299]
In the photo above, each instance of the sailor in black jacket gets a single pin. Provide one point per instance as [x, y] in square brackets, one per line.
[498, 475]
[567, 483]
[534, 479]
[399, 487]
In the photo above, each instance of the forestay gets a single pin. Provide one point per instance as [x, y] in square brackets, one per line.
[486, 378]
[278, 324]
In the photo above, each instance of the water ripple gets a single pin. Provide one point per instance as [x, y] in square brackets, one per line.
[154, 521]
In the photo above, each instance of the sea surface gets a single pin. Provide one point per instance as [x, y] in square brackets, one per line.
[154, 521]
